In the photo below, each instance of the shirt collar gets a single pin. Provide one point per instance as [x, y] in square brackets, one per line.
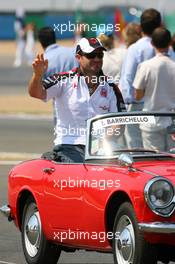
[79, 72]
[52, 46]
[163, 54]
[146, 37]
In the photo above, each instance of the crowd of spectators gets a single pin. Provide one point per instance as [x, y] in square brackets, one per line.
[141, 74]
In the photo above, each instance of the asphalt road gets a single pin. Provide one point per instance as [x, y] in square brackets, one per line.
[26, 134]
[13, 80]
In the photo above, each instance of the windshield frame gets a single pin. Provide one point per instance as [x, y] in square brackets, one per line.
[89, 156]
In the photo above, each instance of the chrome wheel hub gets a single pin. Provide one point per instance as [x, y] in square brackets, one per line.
[125, 242]
[32, 229]
[32, 234]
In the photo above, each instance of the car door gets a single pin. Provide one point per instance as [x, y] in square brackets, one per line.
[63, 195]
[102, 181]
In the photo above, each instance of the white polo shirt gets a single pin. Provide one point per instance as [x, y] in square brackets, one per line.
[74, 105]
[156, 77]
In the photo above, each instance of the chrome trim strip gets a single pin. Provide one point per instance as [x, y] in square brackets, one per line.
[5, 210]
[157, 227]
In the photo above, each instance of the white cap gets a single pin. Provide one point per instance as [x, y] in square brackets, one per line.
[89, 45]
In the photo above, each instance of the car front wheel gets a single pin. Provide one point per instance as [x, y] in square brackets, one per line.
[37, 249]
[129, 246]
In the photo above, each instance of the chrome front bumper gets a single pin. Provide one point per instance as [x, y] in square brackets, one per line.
[5, 210]
[157, 227]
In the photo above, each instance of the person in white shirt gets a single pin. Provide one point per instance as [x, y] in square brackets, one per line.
[155, 81]
[19, 28]
[79, 95]
[30, 43]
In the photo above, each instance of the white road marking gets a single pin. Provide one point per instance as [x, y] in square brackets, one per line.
[14, 156]
[4, 262]
[9, 162]
[26, 116]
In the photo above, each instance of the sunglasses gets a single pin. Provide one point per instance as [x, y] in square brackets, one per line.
[93, 55]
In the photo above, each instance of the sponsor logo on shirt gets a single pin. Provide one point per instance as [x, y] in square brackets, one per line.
[74, 85]
[104, 107]
[103, 92]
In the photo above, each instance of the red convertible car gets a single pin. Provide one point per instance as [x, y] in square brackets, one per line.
[121, 199]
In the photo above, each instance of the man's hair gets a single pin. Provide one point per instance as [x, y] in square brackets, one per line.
[107, 41]
[161, 38]
[150, 20]
[131, 33]
[46, 36]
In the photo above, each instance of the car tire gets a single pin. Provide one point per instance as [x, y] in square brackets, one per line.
[37, 250]
[129, 246]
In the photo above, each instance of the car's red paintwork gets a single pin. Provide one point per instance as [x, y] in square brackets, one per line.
[85, 209]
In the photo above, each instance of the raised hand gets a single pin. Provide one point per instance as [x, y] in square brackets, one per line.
[40, 65]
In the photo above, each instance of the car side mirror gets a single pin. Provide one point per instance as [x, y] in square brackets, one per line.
[125, 160]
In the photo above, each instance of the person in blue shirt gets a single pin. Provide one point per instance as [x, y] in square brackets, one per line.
[172, 48]
[60, 59]
[138, 52]
[173, 42]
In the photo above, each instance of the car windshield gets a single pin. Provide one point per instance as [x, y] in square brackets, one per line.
[137, 133]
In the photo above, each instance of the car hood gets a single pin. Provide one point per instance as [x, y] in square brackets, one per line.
[157, 168]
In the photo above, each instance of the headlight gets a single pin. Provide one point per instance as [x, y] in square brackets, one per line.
[159, 195]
